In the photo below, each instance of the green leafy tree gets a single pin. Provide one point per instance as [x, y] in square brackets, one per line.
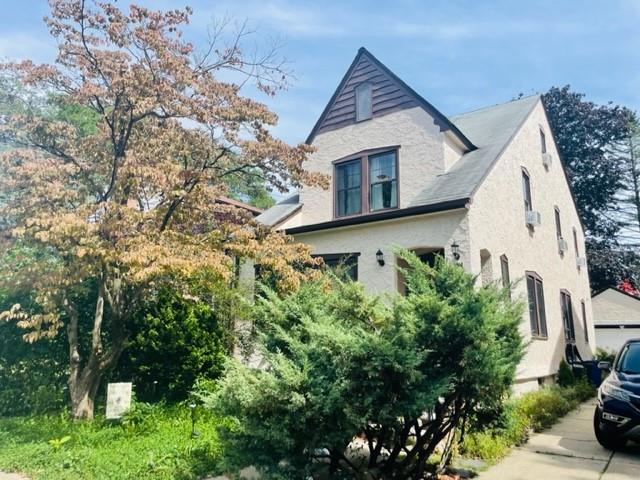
[360, 387]
[588, 137]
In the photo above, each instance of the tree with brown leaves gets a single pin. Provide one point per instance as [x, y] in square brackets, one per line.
[117, 206]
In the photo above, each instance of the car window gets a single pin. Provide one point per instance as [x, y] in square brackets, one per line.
[630, 360]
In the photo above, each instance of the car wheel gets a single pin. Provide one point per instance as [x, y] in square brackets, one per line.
[606, 435]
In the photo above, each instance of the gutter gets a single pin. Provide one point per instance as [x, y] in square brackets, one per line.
[376, 217]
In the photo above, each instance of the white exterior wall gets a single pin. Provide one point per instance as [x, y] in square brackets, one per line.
[614, 308]
[420, 158]
[502, 230]
[435, 230]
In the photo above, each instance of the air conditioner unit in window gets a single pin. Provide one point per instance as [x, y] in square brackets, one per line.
[547, 160]
[563, 246]
[581, 262]
[533, 218]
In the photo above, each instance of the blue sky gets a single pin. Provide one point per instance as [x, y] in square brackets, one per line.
[460, 55]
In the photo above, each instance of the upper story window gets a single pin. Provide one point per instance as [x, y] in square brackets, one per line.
[349, 188]
[575, 242]
[537, 314]
[543, 141]
[364, 104]
[383, 181]
[368, 183]
[526, 191]
[558, 223]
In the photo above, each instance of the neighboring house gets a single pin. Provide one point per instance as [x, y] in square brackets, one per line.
[254, 211]
[616, 318]
[485, 188]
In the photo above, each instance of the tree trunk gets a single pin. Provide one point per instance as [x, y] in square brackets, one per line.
[84, 381]
[83, 394]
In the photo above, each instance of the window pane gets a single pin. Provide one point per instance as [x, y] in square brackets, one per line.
[526, 187]
[363, 101]
[533, 311]
[543, 142]
[348, 183]
[506, 280]
[541, 310]
[345, 265]
[558, 224]
[584, 322]
[383, 181]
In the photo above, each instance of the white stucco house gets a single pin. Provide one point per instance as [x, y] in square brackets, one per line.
[485, 188]
[616, 318]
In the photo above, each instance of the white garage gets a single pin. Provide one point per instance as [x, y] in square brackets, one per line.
[616, 317]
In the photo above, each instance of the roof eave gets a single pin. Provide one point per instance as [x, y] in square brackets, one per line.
[377, 217]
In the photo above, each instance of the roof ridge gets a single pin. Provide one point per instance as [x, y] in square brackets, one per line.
[487, 107]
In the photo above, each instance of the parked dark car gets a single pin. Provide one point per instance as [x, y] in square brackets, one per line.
[617, 415]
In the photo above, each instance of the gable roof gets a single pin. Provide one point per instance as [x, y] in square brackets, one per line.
[389, 94]
[280, 211]
[491, 129]
[615, 289]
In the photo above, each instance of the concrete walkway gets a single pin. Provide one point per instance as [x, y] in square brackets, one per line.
[568, 450]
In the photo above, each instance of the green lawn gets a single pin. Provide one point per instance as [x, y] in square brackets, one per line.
[153, 444]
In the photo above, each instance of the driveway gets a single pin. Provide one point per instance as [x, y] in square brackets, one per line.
[568, 451]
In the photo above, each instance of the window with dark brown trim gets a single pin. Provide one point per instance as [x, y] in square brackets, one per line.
[543, 141]
[567, 316]
[383, 181]
[558, 223]
[344, 264]
[379, 191]
[584, 321]
[348, 188]
[537, 313]
[526, 191]
[504, 268]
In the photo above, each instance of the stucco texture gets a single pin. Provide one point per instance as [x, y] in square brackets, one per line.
[497, 224]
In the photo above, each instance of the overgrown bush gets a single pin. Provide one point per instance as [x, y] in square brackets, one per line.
[178, 338]
[32, 375]
[565, 376]
[533, 411]
[400, 377]
[604, 355]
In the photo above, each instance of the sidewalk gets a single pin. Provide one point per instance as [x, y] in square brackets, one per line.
[569, 451]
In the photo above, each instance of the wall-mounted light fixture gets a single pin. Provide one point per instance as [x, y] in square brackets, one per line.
[455, 250]
[380, 257]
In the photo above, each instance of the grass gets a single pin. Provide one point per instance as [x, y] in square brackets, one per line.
[533, 411]
[151, 443]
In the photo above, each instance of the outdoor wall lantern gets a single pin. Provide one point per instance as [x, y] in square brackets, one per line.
[380, 257]
[455, 250]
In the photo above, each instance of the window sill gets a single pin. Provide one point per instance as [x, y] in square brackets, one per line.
[362, 214]
[539, 337]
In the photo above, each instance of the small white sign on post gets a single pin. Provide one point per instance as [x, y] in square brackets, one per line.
[118, 399]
